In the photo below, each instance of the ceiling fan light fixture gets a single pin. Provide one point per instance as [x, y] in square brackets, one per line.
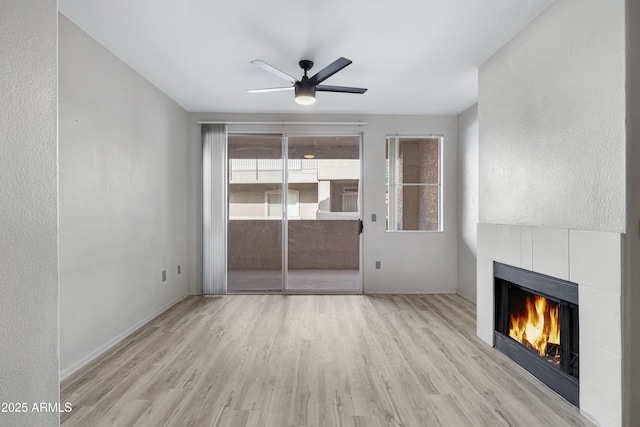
[305, 99]
[305, 94]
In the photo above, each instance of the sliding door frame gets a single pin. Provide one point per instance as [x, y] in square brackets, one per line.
[285, 210]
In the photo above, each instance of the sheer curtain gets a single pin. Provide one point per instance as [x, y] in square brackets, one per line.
[214, 209]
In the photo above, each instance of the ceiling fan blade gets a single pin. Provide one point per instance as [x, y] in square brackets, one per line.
[273, 70]
[344, 89]
[329, 70]
[271, 89]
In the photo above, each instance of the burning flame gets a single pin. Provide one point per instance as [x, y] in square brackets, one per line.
[538, 326]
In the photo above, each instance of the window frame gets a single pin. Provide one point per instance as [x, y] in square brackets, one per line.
[290, 192]
[392, 153]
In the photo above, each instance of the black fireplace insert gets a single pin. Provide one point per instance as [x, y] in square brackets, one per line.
[536, 325]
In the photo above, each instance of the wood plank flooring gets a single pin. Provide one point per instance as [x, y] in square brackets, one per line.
[311, 360]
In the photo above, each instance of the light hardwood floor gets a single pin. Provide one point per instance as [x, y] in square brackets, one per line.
[311, 360]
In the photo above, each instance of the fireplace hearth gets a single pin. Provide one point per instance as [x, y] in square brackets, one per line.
[536, 325]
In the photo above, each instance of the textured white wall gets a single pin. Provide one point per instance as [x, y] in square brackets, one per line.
[412, 262]
[467, 201]
[552, 130]
[123, 199]
[28, 210]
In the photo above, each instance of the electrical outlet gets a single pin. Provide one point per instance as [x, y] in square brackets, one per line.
[164, 275]
[178, 269]
[378, 265]
[374, 217]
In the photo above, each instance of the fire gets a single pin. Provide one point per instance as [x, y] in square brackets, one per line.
[539, 326]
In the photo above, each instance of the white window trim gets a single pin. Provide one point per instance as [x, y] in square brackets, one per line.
[393, 149]
[266, 204]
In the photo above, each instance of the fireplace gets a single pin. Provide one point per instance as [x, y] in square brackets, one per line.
[536, 325]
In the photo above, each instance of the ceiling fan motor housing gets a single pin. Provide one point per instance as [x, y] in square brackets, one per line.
[305, 88]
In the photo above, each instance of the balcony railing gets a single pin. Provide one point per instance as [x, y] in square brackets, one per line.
[270, 165]
[248, 165]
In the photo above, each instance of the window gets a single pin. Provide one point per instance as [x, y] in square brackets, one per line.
[274, 203]
[414, 183]
[344, 195]
[350, 199]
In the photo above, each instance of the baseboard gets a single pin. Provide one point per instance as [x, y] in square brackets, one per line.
[473, 301]
[409, 292]
[66, 373]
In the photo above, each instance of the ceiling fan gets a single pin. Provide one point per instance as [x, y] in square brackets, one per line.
[305, 88]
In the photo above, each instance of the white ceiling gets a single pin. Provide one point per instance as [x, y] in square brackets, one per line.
[414, 56]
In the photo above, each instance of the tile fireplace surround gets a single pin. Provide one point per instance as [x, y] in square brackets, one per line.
[591, 259]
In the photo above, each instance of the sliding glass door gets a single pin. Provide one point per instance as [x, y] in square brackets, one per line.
[254, 227]
[293, 213]
[323, 239]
